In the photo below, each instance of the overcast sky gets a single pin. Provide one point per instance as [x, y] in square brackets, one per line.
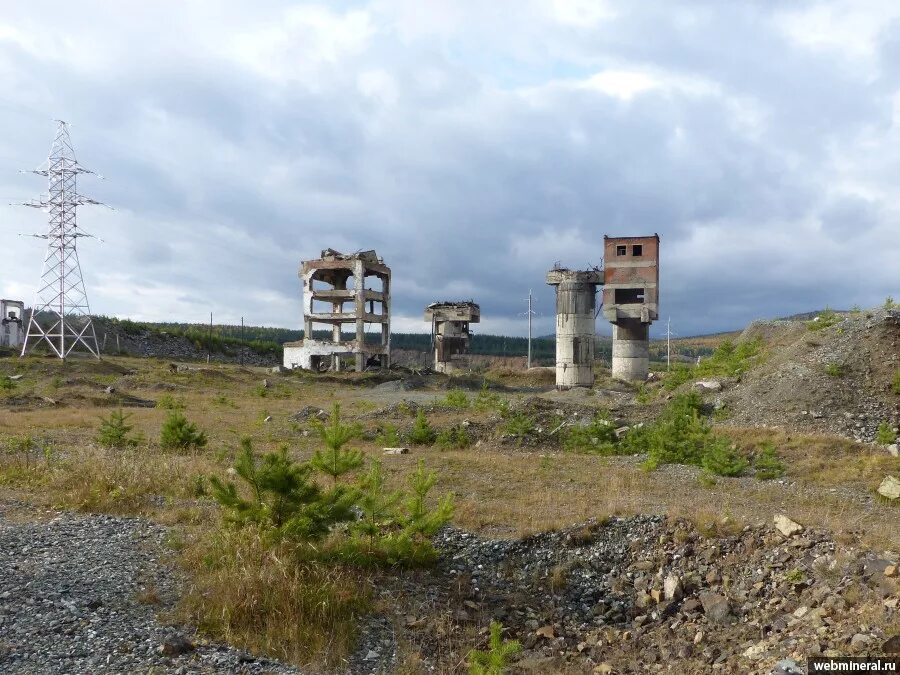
[471, 143]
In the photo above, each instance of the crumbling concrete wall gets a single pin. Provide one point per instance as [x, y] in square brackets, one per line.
[576, 302]
[631, 301]
[329, 284]
[450, 333]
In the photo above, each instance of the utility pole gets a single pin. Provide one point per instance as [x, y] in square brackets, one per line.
[60, 313]
[529, 314]
[209, 340]
[529, 329]
[668, 344]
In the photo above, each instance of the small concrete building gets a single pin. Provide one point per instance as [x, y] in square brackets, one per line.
[360, 280]
[631, 301]
[450, 334]
[576, 303]
[12, 326]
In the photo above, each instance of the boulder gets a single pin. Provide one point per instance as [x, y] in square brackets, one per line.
[715, 606]
[889, 488]
[786, 526]
[672, 587]
[708, 385]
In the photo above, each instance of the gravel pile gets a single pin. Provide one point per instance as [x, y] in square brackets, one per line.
[836, 380]
[81, 594]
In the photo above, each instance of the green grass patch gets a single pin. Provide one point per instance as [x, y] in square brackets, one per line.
[731, 359]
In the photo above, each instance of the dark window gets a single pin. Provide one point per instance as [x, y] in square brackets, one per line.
[629, 296]
[621, 250]
[637, 250]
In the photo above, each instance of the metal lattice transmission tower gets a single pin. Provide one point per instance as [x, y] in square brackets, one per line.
[60, 314]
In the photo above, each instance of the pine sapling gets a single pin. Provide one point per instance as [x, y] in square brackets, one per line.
[419, 520]
[422, 432]
[334, 460]
[179, 434]
[376, 504]
[114, 432]
[495, 659]
[284, 497]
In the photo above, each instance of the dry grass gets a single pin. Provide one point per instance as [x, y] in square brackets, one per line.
[819, 459]
[270, 599]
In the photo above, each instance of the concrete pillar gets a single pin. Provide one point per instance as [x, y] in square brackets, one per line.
[631, 350]
[575, 326]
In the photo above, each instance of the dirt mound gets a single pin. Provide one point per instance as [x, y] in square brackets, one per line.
[837, 379]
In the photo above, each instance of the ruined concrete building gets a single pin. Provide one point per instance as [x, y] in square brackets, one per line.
[450, 334]
[631, 301]
[12, 328]
[576, 302]
[360, 280]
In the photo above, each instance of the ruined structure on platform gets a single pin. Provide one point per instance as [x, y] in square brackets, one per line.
[450, 334]
[341, 289]
[576, 302]
[12, 328]
[631, 301]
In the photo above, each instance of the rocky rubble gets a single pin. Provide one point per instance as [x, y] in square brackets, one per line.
[639, 595]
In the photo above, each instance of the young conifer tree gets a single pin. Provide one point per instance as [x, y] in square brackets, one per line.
[335, 460]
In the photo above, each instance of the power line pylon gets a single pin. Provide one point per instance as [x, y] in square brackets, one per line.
[60, 314]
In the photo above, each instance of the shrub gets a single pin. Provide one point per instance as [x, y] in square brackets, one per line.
[456, 398]
[169, 402]
[730, 359]
[519, 425]
[826, 319]
[885, 434]
[395, 528]
[835, 370]
[114, 432]
[283, 499]
[179, 434]
[721, 459]
[682, 436]
[453, 437]
[598, 437]
[495, 659]
[335, 461]
[489, 400]
[388, 436]
[889, 303]
[7, 385]
[422, 432]
[767, 465]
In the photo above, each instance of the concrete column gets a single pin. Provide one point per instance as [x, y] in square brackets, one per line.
[360, 276]
[575, 334]
[631, 350]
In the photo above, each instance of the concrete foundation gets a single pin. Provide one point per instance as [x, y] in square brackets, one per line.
[576, 302]
[12, 325]
[333, 281]
[450, 334]
[631, 350]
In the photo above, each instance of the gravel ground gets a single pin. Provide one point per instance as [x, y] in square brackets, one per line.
[71, 591]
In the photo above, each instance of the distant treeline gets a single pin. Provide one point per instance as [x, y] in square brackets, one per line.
[267, 340]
